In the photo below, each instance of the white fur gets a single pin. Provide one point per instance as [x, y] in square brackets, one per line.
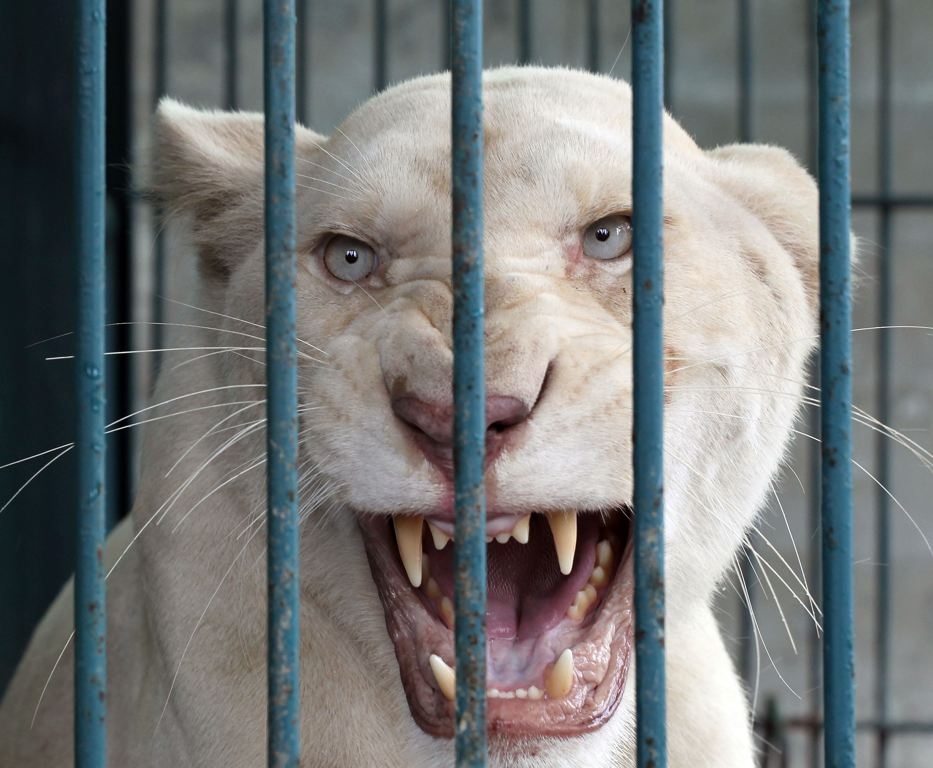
[739, 318]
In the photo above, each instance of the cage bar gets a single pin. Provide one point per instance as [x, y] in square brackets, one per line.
[302, 61]
[231, 52]
[815, 563]
[523, 37]
[281, 383]
[746, 67]
[883, 399]
[90, 606]
[648, 369]
[745, 64]
[592, 35]
[380, 45]
[669, 54]
[469, 382]
[836, 380]
[159, 89]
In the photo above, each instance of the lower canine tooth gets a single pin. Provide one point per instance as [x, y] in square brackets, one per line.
[408, 538]
[445, 676]
[559, 680]
[564, 530]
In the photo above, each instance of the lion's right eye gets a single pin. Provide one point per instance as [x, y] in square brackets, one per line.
[349, 259]
[609, 238]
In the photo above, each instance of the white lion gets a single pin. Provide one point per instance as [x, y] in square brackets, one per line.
[187, 602]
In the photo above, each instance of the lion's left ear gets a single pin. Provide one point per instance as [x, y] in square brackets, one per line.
[208, 166]
[772, 185]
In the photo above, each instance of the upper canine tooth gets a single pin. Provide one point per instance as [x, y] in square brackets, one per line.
[521, 529]
[440, 538]
[408, 538]
[559, 680]
[445, 676]
[564, 530]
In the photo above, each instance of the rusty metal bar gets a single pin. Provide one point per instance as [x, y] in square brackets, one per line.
[469, 384]
[281, 384]
[648, 427]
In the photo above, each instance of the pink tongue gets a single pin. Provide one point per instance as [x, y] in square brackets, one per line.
[527, 593]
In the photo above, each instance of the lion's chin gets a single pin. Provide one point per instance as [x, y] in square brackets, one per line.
[558, 620]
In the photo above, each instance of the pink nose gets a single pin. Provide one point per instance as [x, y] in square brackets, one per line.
[433, 426]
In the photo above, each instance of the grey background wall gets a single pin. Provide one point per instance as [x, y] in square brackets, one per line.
[704, 87]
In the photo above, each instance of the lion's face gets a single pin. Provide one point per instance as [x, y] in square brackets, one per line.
[374, 293]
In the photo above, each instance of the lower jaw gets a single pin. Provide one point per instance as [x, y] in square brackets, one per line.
[601, 649]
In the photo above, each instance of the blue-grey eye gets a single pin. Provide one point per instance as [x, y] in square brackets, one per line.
[608, 238]
[349, 259]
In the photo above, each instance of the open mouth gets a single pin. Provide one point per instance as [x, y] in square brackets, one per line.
[558, 616]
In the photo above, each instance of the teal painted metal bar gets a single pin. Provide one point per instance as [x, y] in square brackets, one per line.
[281, 384]
[648, 427]
[836, 380]
[90, 606]
[469, 384]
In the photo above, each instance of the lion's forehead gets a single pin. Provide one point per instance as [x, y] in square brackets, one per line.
[538, 123]
[557, 156]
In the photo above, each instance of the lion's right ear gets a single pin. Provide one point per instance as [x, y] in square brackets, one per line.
[207, 166]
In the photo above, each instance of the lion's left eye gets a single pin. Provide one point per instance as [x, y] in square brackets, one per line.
[609, 238]
[349, 259]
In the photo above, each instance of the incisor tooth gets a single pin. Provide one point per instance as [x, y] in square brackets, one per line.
[564, 530]
[598, 577]
[604, 554]
[445, 676]
[559, 680]
[521, 529]
[440, 538]
[447, 611]
[408, 538]
[503, 538]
